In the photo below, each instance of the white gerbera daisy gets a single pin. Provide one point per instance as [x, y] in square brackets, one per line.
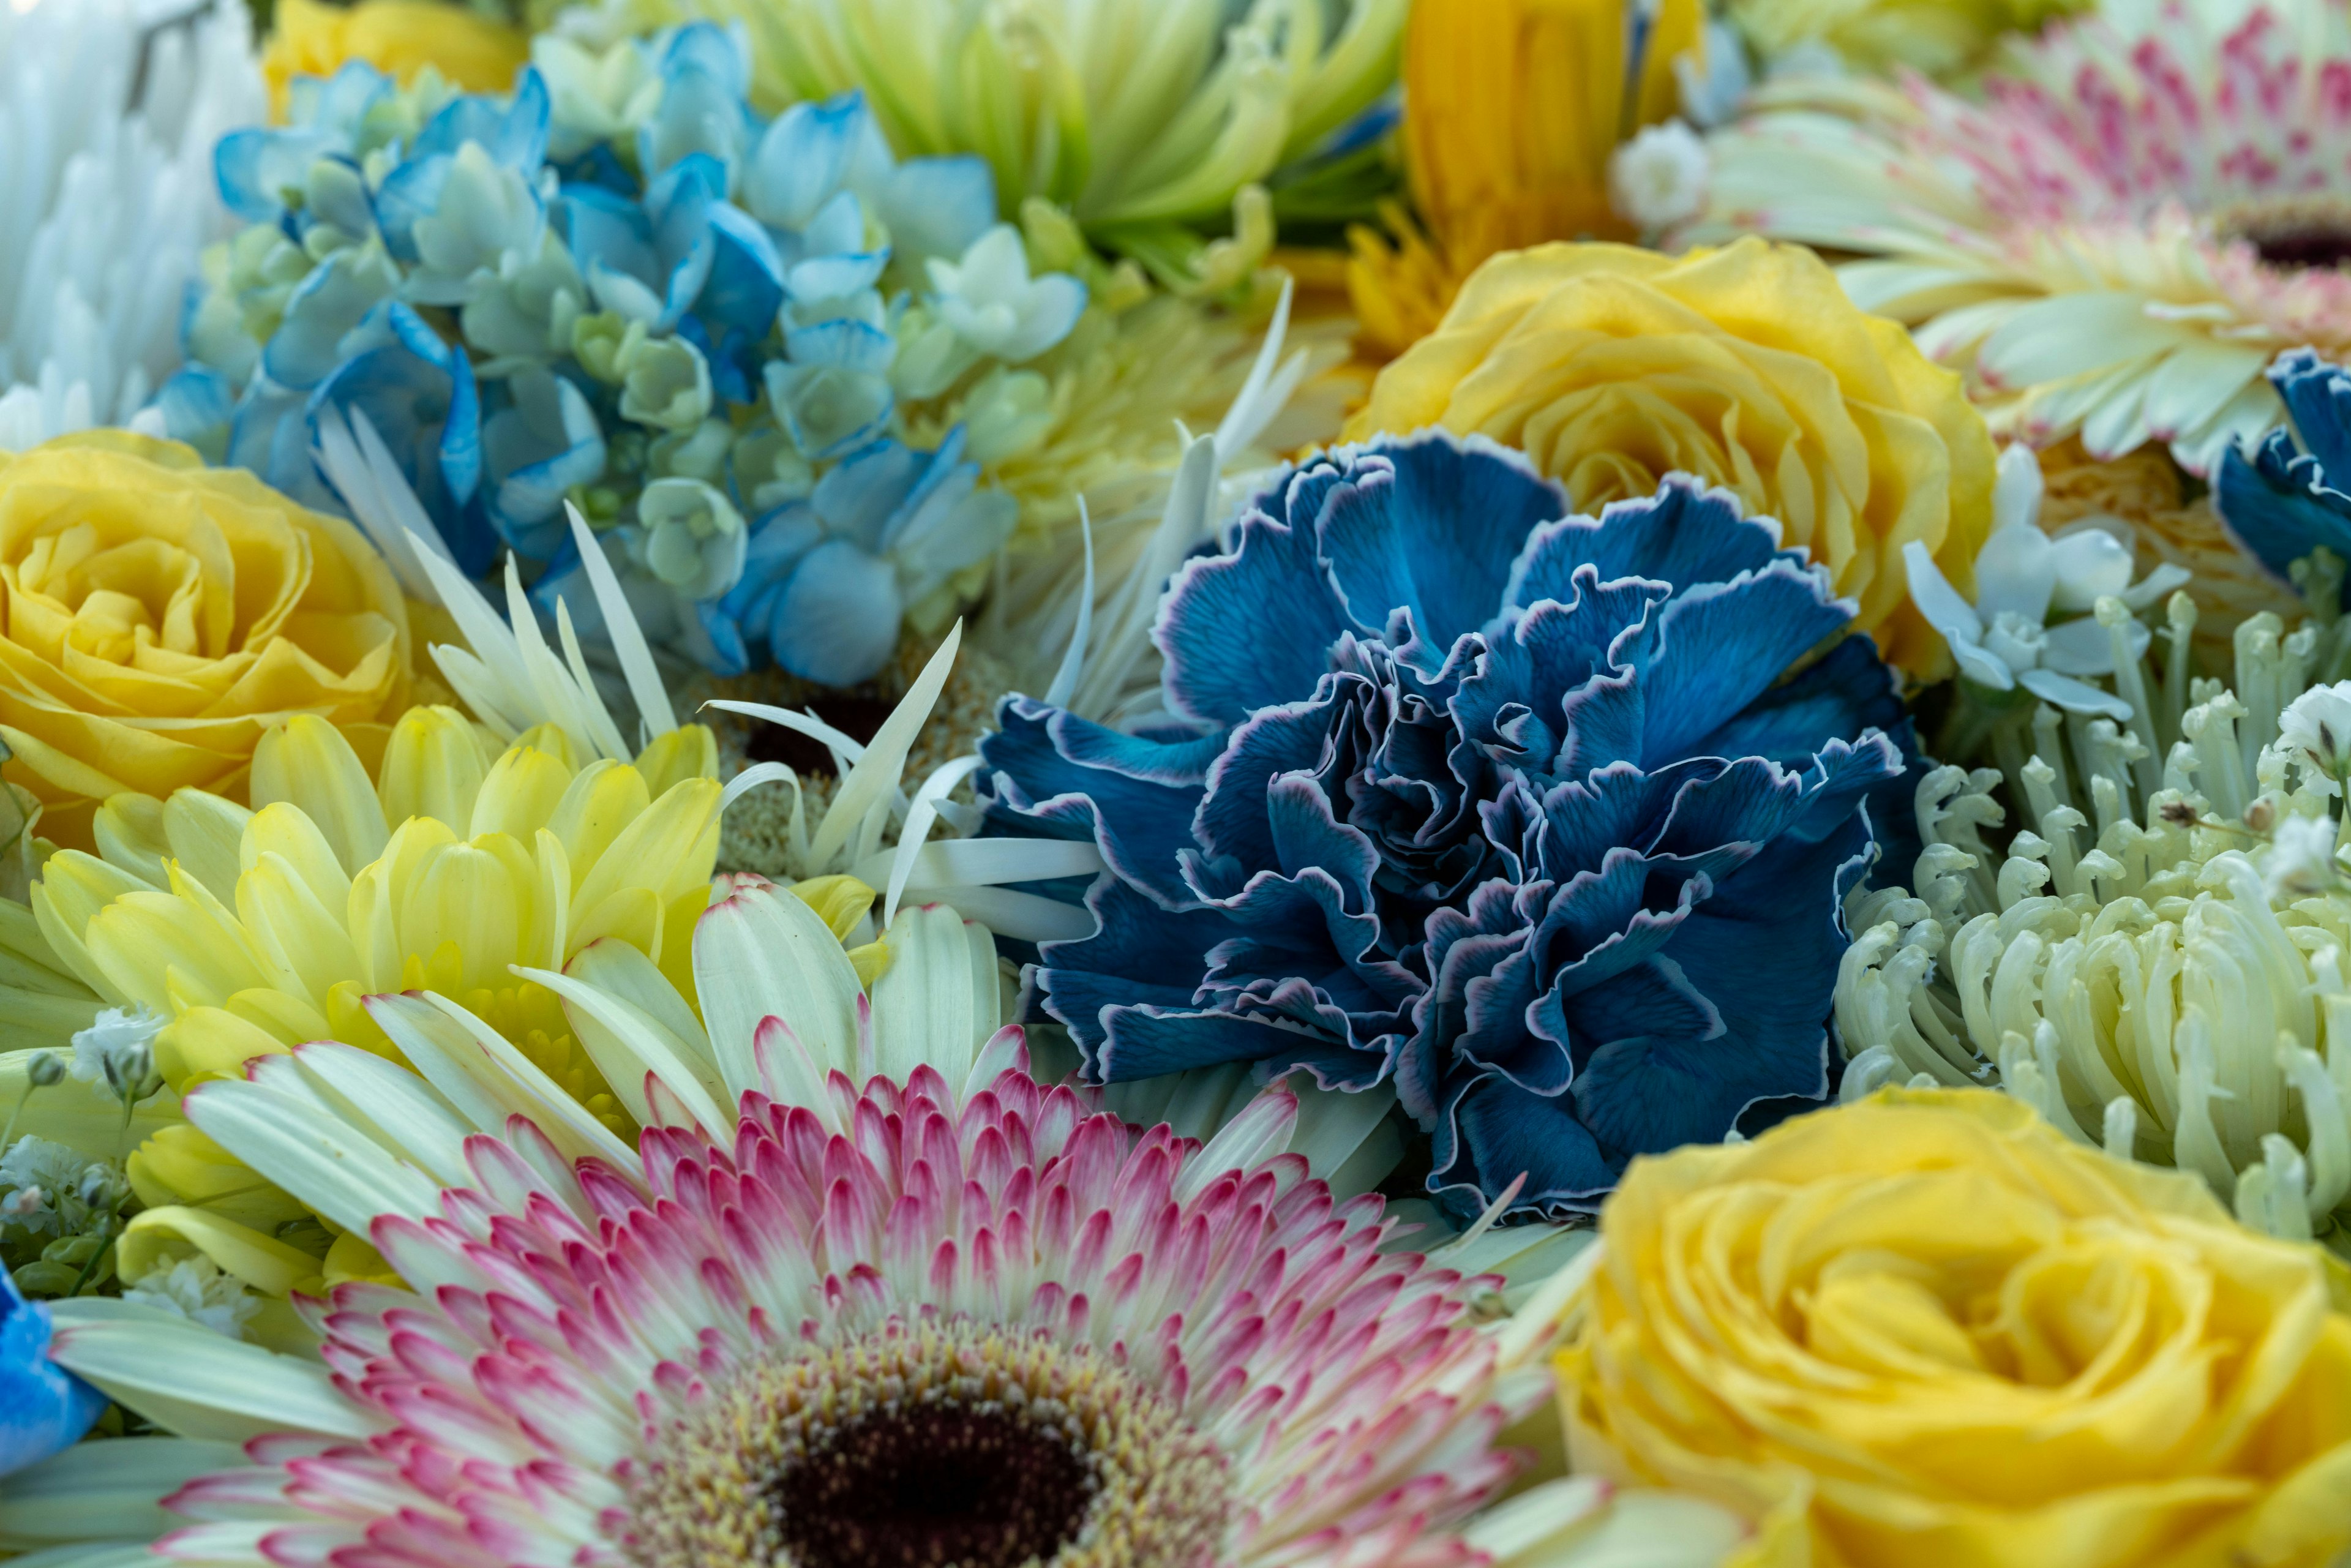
[109, 111]
[948, 1316]
[2144, 208]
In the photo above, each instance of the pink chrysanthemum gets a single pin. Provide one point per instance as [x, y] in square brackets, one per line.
[2139, 216]
[894, 1328]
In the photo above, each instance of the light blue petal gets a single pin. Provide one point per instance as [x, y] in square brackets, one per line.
[722, 53]
[827, 411]
[833, 277]
[256, 169]
[195, 403]
[836, 623]
[341, 103]
[323, 309]
[800, 160]
[44, 1408]
[860, 498]
[934, 206]
[746, 287]
[538, 447]
[679, 205]
[843, 345]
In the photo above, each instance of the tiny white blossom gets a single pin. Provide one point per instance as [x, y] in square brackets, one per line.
[994, 305]
[1659, 178]
[117, 1049]
[2302, 858]
[195, 1289]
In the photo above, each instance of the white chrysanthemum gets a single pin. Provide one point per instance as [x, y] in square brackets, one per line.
[108, 111]
[2157, 960]
[2147, 205]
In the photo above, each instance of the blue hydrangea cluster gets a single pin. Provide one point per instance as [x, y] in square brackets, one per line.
[619, 284]
[2288, 497]
[1518, 809]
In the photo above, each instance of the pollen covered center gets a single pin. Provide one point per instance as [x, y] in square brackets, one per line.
[2295, 234]
[922, 1445]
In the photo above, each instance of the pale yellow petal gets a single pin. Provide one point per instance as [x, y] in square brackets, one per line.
[307, 761]
[603, 798]
[520, 794]
[433, 766]
[205, 832]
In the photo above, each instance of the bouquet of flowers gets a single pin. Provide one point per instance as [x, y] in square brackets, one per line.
[1545, 783]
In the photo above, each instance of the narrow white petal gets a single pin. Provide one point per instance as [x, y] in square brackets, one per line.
[195, 1382]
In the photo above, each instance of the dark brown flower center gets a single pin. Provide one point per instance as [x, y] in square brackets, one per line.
[935, 1485]
[2295, 234]
[924, 1444]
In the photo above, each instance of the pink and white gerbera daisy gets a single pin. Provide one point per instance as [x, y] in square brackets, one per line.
[911, 1322]
[2145, 207]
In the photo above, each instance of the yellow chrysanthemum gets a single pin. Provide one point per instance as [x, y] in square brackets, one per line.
[252, 931]
[1512, 109]
[400, 37]
[1748, 367]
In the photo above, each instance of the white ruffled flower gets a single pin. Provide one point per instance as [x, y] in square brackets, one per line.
[195, 1289]
[2004, 640]
[1659, 178]
[105, 204]
[994, 305]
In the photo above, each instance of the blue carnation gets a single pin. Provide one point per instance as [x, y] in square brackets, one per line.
[44, 1408]
[1513, 807]
[2289, 498]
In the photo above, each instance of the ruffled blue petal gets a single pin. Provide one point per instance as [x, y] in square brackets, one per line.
[2289, 498]
[1513, 806]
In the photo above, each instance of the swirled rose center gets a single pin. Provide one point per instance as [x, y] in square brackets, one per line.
[922, 1445]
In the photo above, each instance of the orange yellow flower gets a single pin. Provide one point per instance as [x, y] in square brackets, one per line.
[1928, 1331]
[1512, 110]
[158, 616]
[398, 37]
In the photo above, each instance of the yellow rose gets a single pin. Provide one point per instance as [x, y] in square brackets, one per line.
[398, 37]
[157, 616]
[1927, 1331]
[1746, 366]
